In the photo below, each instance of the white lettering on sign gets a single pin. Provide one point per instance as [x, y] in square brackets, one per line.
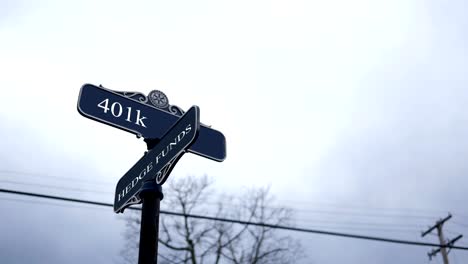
[113, 109]
[104, 105]
[140, 119]
[116, 109]
[149, 167]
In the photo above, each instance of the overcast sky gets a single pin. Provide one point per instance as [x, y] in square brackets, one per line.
[354, 112]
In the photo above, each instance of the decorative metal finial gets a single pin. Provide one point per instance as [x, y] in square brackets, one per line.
[158, 99]
[155, 98]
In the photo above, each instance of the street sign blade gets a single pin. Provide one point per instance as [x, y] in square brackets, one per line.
[130, 111]
[157, 163]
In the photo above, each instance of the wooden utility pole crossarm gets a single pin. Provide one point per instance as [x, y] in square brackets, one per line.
[444, 246]
[438, 223]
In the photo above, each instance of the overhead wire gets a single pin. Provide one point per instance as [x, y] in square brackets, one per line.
[355, 206]
[344, 212]
[46, 203]
[459, 224]
[287, 202]
[54, 187]
[383, 214]
[373, 230]
[60, 178]
[351, 225]
[304, 211]
[347, 210]
[331, 223]
[282, 227]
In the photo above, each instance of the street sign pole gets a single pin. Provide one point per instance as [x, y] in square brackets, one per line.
[151, 195]
[145, 178]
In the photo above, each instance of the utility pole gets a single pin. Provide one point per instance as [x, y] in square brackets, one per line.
[444, 246]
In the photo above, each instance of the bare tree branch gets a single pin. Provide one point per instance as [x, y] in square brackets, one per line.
[195, 241]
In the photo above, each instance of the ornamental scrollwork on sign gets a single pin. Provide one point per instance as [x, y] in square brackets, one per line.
[134, 95]
[132, 201]
[160, 100]
[175, 110]
[166, 170]
[155, 98]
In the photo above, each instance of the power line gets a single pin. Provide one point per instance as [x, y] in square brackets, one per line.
[287, 202]
[364, 214]
[460, 224]
[74, 179]
[54, 187]
[349, 221]
[349, 206]
[303, 211]
[305, 230]
[345, 225]
[331, 224]
[365, 224]
[50, 203]
[338, 228]
[347, 210]
[56, 197]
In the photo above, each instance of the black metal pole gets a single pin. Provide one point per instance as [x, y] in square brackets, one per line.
[151, 195]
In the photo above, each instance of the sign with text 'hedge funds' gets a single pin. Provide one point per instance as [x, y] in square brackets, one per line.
[157, 163]
[149, 117]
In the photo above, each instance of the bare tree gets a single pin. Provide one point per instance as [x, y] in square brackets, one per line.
[198, 241]
[262, 244]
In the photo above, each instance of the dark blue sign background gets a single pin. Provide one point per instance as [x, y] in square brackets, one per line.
[144, 120]
[165, 153]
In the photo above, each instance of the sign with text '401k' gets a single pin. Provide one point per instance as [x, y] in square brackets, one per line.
[146, 116]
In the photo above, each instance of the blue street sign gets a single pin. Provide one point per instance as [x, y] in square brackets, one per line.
[132, 112]
[157, 163]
